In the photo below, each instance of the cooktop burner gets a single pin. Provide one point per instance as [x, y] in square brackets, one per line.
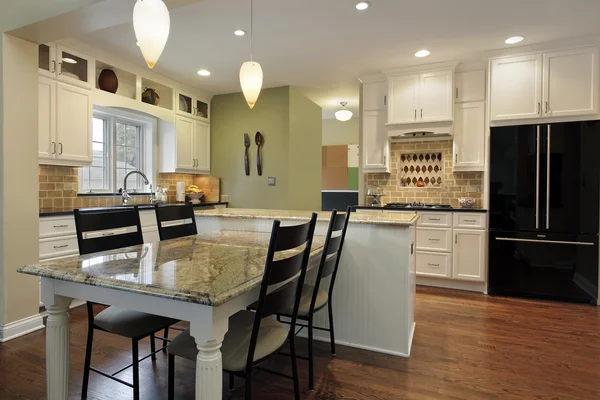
[417, 205]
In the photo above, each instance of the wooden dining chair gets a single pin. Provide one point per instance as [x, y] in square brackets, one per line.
[95, 233]
[166, 214]
[253, 337]
[317, 296]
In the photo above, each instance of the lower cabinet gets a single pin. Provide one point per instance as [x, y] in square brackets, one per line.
[468, 256]
[432, 264]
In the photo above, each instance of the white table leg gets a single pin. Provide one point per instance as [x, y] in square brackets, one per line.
[58, 349]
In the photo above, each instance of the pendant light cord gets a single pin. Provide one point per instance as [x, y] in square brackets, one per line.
[251, 26]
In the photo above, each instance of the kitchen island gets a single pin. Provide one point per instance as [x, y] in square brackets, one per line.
[374, 295]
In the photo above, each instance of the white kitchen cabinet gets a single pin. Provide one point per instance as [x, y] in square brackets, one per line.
[375, 143]
[433, 264]
[470, 86]
[66, 65]
[516, 87]
[436, 101]
[403, 99]
[434, 239]
[189, 105]
[46, 117]
[374, 96]
[469, 255]
[469, 137]
[185, 147]
[570, 85]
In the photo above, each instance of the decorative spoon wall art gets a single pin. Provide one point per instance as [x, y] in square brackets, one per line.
[259, 139]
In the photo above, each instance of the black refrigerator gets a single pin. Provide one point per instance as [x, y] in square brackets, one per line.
[544, 211]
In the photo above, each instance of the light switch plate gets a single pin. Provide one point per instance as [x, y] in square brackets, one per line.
[271, 181]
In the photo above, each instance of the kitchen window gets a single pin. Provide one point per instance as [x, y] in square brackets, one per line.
[118, 147]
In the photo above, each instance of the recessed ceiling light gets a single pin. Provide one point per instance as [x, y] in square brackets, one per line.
[422, 53]
[239, 32]
[363, 5]
[514, 40]
[69, 60]
[204, 72]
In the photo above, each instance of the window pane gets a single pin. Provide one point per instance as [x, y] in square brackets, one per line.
[121, 130]
[132, 158]
[96, 176]
[98, 129]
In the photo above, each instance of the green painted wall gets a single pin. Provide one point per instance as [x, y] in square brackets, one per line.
[290, 124]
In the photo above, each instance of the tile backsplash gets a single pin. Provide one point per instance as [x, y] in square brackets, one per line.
[59, 186]
[453, 185]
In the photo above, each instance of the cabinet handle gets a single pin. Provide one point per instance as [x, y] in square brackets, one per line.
[433, 239]
[433, 265]
[61, 226]
[470, 220]
[53, 66]
[385, 100]
[455, 238]
[412, 248]
[61, 247]
[61, 149]
[384, 159]
[539, 108]
[415, 114]
[60, 68]
[457, 93]
[421, 113]
[546, 107]
[456, 159]
[53, 147]
[434, 219]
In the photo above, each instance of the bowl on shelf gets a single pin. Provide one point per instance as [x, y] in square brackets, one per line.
[195, 197]
[466, 202]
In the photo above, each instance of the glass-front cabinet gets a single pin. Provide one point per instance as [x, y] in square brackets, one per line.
[189, 105]
[66, 65]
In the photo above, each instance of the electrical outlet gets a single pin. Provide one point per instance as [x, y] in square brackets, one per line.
[271, 181]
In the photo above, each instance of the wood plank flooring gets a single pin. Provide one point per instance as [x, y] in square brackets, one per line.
[467, 346]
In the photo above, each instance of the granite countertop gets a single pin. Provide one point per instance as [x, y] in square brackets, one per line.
[452, 209]
[374, 219]
[55, 212]
[209, 268]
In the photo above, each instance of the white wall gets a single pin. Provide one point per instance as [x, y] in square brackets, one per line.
[338, 133]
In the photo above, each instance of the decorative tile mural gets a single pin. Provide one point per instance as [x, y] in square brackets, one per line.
[421, 169]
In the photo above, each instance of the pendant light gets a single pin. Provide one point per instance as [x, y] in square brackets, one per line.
[151, 23]
[344, 114]
[251, 75]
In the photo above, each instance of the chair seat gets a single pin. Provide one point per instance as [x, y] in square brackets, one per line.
[307, 293]
[129, 323]
[272, 335]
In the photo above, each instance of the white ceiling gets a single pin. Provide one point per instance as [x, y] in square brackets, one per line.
[322, 46]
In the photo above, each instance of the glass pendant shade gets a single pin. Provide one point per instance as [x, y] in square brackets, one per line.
[151, 23]
[251, 79]
[343, 114]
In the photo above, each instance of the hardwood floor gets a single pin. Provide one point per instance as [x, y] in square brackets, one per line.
[467, 346]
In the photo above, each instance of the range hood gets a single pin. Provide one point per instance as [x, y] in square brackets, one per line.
[420, 132]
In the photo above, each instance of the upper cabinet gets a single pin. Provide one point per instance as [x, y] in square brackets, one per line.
[421, 98]
[375, 143]
[191, 106]
[374, 96]
[66, 65]
[184, 146]
[469, 137]
[554, 84]
[470, 86]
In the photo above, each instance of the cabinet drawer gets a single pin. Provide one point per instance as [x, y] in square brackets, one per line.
[57, 226]
[434, 264]
[470, 220]
[58, 247]
[148, 219]
[434, 239]
[435, 219]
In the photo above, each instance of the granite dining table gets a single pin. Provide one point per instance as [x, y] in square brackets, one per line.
[202, 279]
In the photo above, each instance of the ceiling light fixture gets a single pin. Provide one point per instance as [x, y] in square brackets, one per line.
[239, 32]
[514, 40]
[344, 114]
[151, 23]
[422, 53]
[251, 75]
[363, 5]
[69, 60]
[204, 72]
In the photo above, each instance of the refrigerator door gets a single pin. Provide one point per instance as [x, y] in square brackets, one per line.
[571, 177]
[555, 266]
[515, 178]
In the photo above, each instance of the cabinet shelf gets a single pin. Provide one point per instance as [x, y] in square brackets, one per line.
[164, 92]
[127, 80]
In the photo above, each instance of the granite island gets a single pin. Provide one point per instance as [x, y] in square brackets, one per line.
[374, 293]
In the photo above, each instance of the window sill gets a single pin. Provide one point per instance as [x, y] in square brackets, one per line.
[107, 194]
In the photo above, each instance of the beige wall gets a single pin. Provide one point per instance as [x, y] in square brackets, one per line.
[273, 116]
[337, 132]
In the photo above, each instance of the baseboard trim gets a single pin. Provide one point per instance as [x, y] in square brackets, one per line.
[20, 328]
[452, 284]
[363, 347]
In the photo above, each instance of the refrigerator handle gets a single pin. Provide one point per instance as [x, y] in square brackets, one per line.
[537, 180]
[548, 178]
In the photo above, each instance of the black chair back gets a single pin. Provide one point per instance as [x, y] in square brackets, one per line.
[286, 261]
[185, 213]
[332, 252]
[94, 220]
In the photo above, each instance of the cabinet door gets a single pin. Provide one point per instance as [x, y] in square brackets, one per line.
[516, 88]
[374, 96]
[403, 99]
[470, 86]
[469, 136]
[185, 104]
[47, 60]
[375, 142]
[469, 255]
[202, 146]
[46, 117]
[571, 82]
[74, 123]
[436, 101]
[185, 143]
[75, 68]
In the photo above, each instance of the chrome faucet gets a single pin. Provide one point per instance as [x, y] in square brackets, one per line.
[126, 197]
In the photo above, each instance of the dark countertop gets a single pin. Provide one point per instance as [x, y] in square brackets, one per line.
[57, 212]
[473, 210]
